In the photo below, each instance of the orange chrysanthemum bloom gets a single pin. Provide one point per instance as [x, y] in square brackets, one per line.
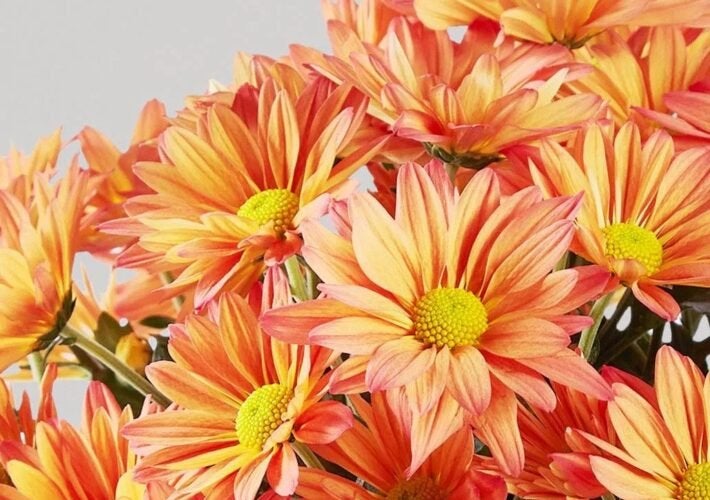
[378, 450]
[229, 199]
[112, 176]
[246, 402]
[18, 172]
[37, 248]
[645, 212]
[91, 462]
[639, 72]
[568, 22]
[663, 450]
[453, 295]
[688, 118]
[466, 102]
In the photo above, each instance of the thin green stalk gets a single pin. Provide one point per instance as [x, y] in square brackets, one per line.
[451, 169]
[110, 361]
[589, 335]
[621, 307]
[295, 278]
[308, 457]
[36, 362]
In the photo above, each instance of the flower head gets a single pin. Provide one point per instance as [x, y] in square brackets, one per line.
[246, 402]
[662, 450]
[466, 102]
[568, 22]
[645, 210]
[378, 450]
[37, 248]
[453, 295]
[230, 196]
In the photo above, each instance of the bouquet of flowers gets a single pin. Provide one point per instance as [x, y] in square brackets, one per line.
[515, 307]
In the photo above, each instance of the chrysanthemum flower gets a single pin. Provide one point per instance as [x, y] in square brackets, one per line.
[663, 450]
[568, 22]
[246, 403]
[229, 199]
[645, 211]
[37, 247]
[466, 102]
[687, 119]
[639, 72]
[112, 177]
[91, 462]
[378, 450]
[453, 295]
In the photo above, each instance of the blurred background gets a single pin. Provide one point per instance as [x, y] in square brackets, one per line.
[72, 63]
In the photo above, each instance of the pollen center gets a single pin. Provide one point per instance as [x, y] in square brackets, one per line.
[418, 488]
[629, 241]
[449, 317]
[695, 484]
[261, 414]
[273, 205]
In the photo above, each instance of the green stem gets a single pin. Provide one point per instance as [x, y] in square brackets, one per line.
[309, 458]
[451, 169]
[110, 361]
[589, 335]
[311, 283]
[621, 307]
[295, 278]
[37, 366]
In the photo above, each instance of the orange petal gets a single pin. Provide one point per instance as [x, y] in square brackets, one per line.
[469, 381]
[397, 363]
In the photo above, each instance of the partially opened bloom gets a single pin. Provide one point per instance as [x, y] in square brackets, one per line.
[687, 117]
[662, 451]
[644, 71]
[568, 22]
[18, 172]
[65, 462]
[466, 102]
[378, 450]
[113, 178]
[37, 248]
[229, 197]
[454, 295]
[645, 211]
[246, 401]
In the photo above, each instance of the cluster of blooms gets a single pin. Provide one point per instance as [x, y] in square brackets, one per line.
[286, 334]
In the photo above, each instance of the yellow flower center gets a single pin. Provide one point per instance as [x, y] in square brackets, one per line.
[261, 414]
[419, 488]
[449, 317]
[695, 484]
[629, 241]
[273, 205]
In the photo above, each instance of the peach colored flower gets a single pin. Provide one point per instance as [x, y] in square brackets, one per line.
[229, 199]
[645, 211]
[663, 450]
[454, 295]
[246, 404]
[379, 451]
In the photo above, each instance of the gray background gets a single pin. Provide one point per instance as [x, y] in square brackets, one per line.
[72, 63]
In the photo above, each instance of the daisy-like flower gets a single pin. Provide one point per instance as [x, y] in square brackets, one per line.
[687, 119]
[248, 403]
[91, 462]
[368, 18]
[453, 295]
[18, 172]
[378, 450]
[663, 449]
[37, 248]
[645, 211]
[112, 177]
[229, 200]
[643, 71]
[466, 102]
[568, 22]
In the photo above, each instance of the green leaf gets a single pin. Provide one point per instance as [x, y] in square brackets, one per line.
[157, 321]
